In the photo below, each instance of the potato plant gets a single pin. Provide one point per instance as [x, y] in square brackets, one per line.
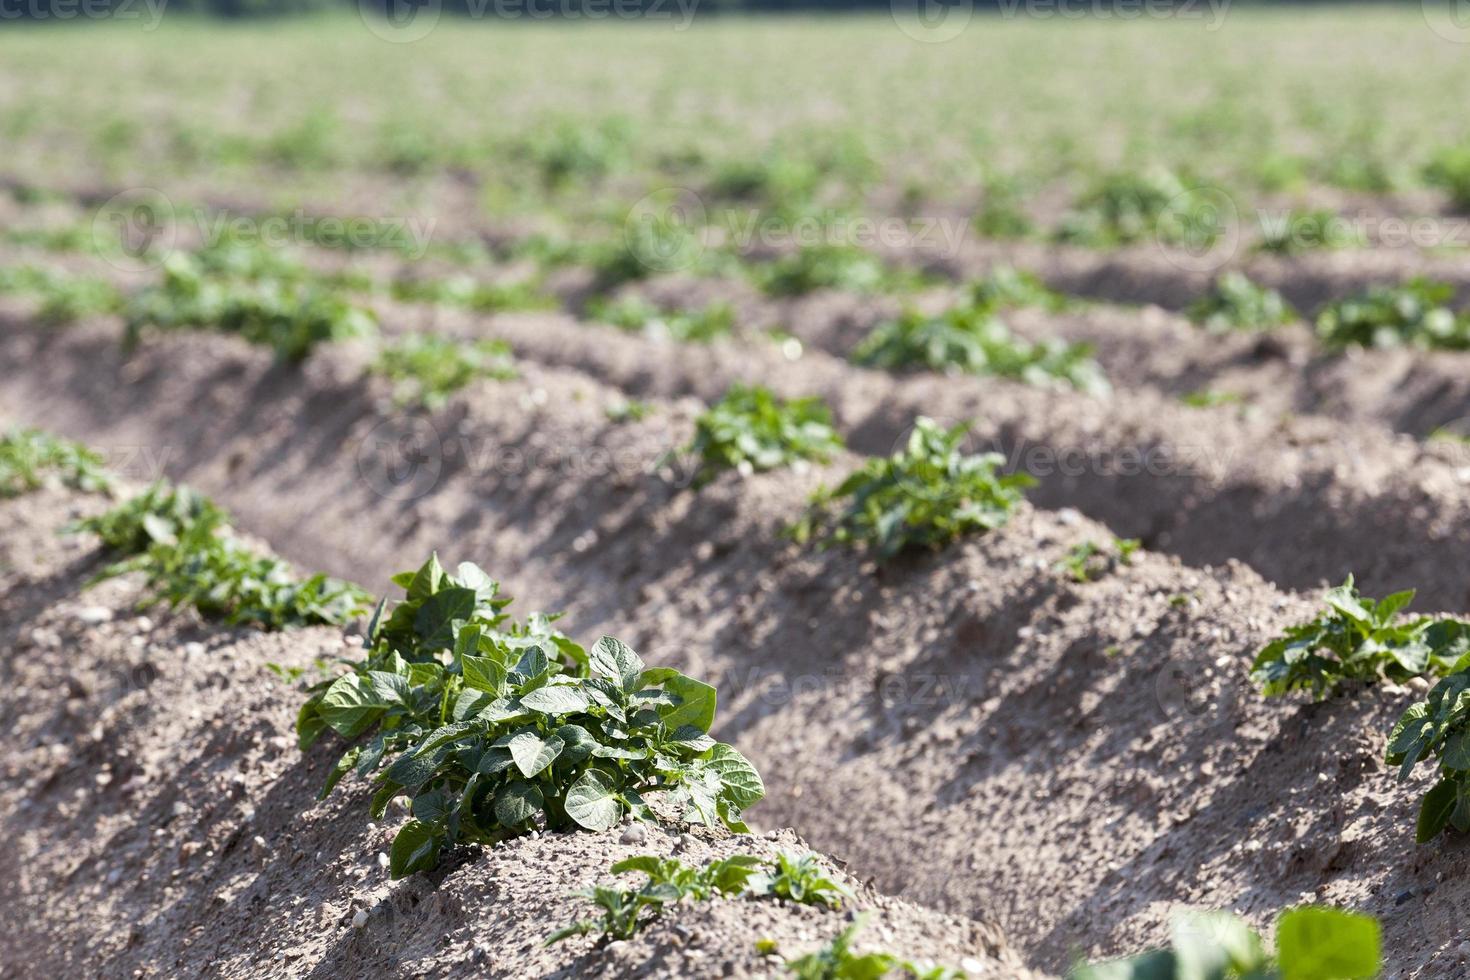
[922, 496]
[1236, 303]
[249, 291]
[637, 315]
[1361, 640]
[29, 456]
[970, 339]
[190, 557]
[1437, 731]
[751, 430]
[1414, 314]
[494, 730]
[1127, 207]
[427, 368]
[670, 881]
[838, 960]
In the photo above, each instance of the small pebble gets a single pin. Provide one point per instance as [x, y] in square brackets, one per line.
[635, 834]
[92, 615]
[382, 860]
[359, 918]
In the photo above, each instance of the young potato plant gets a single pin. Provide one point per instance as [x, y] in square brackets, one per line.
[494, 731]
[1089, 560]
[670, 881]
[189, 556]
[248, 290]
[28, 456]
[922, 496]
[751, 430]
[824, 266]
[63, 299]
[637, 315]
[1437, 730]
[970, 339]
[1415, 314]
[1449, 169]
[839, 961]
[427, 368]
[1006, 287]
[1127, 207]
[1313, 942]
[1236, 303]
[1357, 639]
[470, 294]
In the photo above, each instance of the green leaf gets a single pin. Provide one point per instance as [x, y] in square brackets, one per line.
[1319, 943]
[517, 803]
[742, 784]
[697, 700]
[432, 807]
[592, 801]
[1434, 812]
[532, 753]
[484, 674]
[555, 699]
[350, 705]
[611, 657]
[415, 848]
[344, 765]
[435, 620]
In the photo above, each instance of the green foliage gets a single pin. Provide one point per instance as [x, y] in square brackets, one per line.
[1414, 314]
[243, 288]
[1209, 398]
[1089, 561]
[1437, 730]
[839, 961]
[628, 410]
[64, 299]
[494, 729]
[1358, 639]
[1128, 207]
[637, 315]
[1449, 169]
[471, 294]
[1236, 303]
[824, 266]
[670, 881]
[426, 368]
[1292, 232]
[972, 340]
[922, 496]
[751, 430]
[1313, 942]
[28, 455]
[1002, 212]
[189, 556]
[1006, 287]
[800, 879]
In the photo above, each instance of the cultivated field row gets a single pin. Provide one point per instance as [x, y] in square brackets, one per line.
[979, 694]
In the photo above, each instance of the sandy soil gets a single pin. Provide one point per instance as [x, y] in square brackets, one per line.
[161, 822]
[1074, 762]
